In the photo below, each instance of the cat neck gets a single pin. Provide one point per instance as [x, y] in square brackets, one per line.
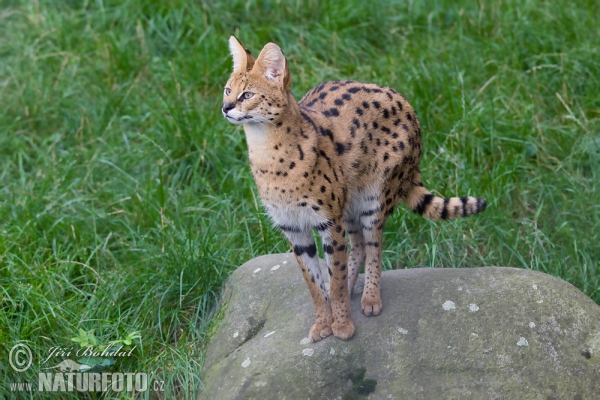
[287, 130]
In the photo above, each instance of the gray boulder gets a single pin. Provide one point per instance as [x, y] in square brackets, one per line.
[493, 333]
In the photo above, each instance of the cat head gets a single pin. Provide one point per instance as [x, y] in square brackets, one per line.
[257, 90]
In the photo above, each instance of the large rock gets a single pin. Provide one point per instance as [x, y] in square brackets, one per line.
[493, 333]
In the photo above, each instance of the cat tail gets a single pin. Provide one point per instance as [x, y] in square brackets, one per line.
[420, 200]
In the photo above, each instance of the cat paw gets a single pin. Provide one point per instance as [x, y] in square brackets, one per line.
[343, 331]
[371, 306]
[319, 331]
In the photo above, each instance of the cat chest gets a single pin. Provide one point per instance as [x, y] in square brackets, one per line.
[295, 215]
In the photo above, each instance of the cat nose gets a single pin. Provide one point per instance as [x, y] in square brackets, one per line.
[227, 106]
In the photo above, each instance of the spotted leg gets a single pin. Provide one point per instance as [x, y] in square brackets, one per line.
[372, 227]
[334, 246]
[306, 255]
[356, 260]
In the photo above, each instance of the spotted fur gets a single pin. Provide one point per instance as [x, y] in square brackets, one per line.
[338, 162]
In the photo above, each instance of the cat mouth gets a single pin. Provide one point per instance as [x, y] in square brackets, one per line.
[240, 119]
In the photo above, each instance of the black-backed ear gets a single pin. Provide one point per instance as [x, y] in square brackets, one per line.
[272, 64]
[242, 58]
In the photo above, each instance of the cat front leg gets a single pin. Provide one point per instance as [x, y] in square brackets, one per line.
[305, 251]
[334, 246]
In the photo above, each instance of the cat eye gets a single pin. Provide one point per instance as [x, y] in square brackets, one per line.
[248, 95]
[227, 91]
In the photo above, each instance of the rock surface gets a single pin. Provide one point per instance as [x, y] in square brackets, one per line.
[493, 333]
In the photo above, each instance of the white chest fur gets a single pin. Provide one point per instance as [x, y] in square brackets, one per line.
[256, 136]
[294, 216]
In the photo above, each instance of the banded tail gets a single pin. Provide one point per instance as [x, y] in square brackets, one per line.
[432, 207]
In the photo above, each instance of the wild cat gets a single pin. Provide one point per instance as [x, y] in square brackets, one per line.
[338, 161]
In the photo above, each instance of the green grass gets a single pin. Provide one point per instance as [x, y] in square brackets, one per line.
[126, 199]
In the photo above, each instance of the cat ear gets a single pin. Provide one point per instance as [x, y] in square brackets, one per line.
[242, 58]
[272, 64]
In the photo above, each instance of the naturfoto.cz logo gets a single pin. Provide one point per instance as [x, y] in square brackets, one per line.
[70, 376]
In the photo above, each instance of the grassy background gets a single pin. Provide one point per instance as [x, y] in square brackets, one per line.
[126, 199]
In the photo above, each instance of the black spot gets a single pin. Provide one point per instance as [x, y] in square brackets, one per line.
[444, 214]
[292, 165]
[399, 105]
[333, 88]
[401, 144]
[424, 203]
[301, 152]
[320, 202]
[464, 205]
[365, 104]
[311, 103]
[354, 90]
[386, 113]
[343, 268]
[359, 111]
[341, 247]
[340, 148]
[356, 122]
[334, 112]
[324, 226]
[326, 113]
[339, 102]
[386, 156]
[306, 174]
[326, 132]
[396, 122]
[394, 135]
[405, 127]
[326, 178]
[386, 129]
[303, 204]
[323, 95]
[370, 212]
[375, 125]
[316, 208]
[346, 96]
[310, 250]
[324, 155]
[373, 244]
[323, 189]
[288, 228]
[376, 104]
[327, 248]
[409, 116]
